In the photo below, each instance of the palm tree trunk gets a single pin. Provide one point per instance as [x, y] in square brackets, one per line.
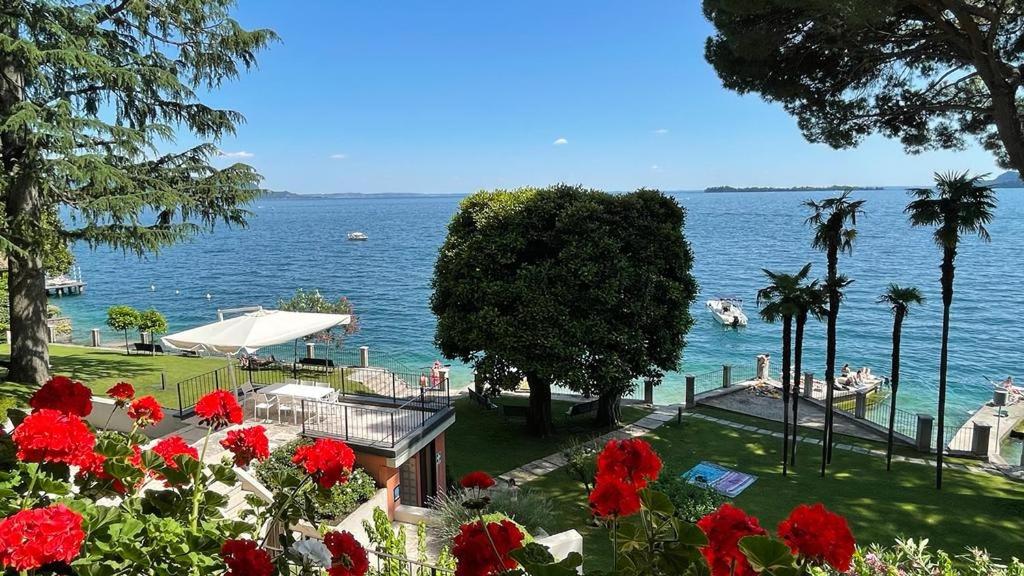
[787, 336]
[894, 382]
[948, 257]
[798, 347]
[830, 354]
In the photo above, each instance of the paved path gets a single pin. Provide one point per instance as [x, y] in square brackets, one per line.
[663, 414]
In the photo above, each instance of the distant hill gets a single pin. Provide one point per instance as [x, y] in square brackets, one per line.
[792, 189]
[1006, 180]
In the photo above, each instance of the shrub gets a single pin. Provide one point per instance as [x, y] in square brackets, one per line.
[691, 502]
[523, 506]
[341, 500]
[913, 557]
[581, 464]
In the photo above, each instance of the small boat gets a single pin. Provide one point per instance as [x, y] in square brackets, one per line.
[357, 236]
[728, 311]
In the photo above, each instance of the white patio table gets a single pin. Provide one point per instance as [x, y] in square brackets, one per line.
[295, 394]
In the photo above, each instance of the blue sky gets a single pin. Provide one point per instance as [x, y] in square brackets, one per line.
[452, 97]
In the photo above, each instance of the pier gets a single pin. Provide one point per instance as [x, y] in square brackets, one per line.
[998, 429]
[66, 284]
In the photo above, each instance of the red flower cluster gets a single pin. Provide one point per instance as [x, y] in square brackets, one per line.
[172, 446]
[122, 393]
[633, 460]
[146, 411]
[475, 553]
[328, 461]
[624, 468]
[64, 395]
[820, 536]
[613, 498]
[246, 558]
[247, 444]
[724, 528]
[219, 409]
[348, 557]
[32, 538]
[48, 435]
[479, 480]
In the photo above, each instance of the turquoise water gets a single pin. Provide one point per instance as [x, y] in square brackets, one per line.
[301, 243]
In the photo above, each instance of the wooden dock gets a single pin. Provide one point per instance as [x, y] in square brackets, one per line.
[65, 284]
[987, 416]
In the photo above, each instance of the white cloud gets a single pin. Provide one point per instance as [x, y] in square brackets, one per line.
[338, 156]
[239, 154]
[661, 131]
[561, 142]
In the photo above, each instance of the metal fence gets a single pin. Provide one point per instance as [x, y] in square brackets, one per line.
[706, 382]
[364, 424]
[390, 565]
[190, 390]
[738, 374]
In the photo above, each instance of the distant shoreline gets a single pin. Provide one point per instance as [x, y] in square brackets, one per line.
[715, 189]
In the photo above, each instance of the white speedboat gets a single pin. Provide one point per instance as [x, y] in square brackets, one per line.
[728, 311]
[357, 236]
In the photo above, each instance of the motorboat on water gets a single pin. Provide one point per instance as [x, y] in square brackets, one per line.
[357, 236]
[728, 311]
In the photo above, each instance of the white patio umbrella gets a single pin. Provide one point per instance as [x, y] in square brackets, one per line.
[250, 332]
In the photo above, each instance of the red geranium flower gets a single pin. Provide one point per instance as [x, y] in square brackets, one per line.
[146, 411]
[348, 557]
[613, 498]
[724, 528]
[122, 393]
[328, 461]
[218, 409]
[475, 554]
[247, 444]
[246, 558]
[64, 395]
[633, 460]
[818, 535]
[48, 435]
[479, 480]
[32, 538]
[172, 446]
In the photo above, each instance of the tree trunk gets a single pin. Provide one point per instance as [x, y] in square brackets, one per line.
[538, 419]
[830, 354]
[127, 348]
[798, 347]
[27, 280]
[30, 355]
[787, 374]
[894, 383]
[607, 410]
[948, 257]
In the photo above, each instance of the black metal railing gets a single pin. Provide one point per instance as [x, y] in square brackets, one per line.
[707, 381]
[392, 565]
[738, 374]
[365, 424]
[190, 390]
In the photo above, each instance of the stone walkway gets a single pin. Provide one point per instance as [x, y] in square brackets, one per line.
[663, 414]
[548, 464]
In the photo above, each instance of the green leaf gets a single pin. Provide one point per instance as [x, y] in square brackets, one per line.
[767, 554]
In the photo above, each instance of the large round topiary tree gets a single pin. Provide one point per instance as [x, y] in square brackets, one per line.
[570, 287]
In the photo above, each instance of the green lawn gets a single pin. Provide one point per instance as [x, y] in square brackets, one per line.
[484, 440]
[971, 510]
[100, 368]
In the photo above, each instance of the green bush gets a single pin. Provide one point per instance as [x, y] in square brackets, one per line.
[339, 502]
[525, 507]
[691, 502]
[913, 557]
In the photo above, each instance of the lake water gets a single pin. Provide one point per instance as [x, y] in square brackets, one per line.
[301, 243]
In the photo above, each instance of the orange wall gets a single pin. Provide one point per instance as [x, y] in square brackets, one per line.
[385, 476]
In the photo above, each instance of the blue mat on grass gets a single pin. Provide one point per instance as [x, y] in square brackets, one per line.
[723, 480]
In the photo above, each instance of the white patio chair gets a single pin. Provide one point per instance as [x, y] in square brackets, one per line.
[290, 405]
[260, 401]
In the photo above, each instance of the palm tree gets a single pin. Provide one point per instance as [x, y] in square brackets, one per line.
[958, 205]
[811, 301]
[829, 219]
[778, 302]
[899, 299]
